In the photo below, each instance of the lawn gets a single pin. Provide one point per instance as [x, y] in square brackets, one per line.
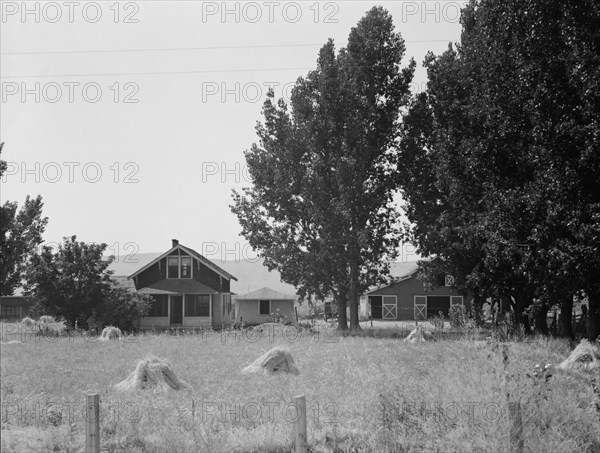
[363, 394]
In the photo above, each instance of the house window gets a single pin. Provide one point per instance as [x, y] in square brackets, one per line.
[264, 307]
[160, 306]
[179, 267]
[186, 267]
[197, 305]
[173, 267]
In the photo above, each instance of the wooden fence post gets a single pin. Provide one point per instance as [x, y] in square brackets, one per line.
[300, 437]
[516, 427]
[92, 423]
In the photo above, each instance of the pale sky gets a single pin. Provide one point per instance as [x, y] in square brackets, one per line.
[137, 174]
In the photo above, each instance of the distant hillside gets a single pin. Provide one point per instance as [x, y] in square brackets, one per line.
[251, 275]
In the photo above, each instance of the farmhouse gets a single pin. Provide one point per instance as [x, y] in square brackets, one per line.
[264, 305]
[408, 299]
[188, 290]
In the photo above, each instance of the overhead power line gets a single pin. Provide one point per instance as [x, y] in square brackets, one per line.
[114, 74]
[178, 49]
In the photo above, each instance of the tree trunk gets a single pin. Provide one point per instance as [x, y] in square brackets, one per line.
[593, 322]
[522, 301]
[565, 324]
[477, 307]
[541, 315]
[354, 297]
[340, 300]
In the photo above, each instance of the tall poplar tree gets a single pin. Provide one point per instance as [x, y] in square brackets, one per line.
[321, 208]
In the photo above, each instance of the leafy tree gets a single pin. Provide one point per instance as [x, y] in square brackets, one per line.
[20, 234]
[321, 207]
[71, 283]
[75, 283]
[500, 174]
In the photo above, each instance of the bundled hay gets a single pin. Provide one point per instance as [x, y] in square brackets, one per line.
[276, 360]
[585, 356]
[111, 333]
[418, 335]
[28, 322]
[152, 373]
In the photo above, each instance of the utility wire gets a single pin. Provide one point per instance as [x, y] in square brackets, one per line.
[177, 49]
[207, 71]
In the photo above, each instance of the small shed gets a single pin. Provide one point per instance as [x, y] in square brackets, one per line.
[15, 307]
[263, 305]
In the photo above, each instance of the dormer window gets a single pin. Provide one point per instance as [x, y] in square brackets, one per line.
[179, 267]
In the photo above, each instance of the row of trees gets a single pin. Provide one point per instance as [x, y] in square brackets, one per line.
[72, 282]
[500, 158]
[497, 163]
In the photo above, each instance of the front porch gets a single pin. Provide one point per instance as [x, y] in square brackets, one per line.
[188, 311]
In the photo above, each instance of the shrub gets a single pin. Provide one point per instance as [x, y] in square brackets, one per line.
[458, 316]
[438, 321]
[278, 317]
[120, 308]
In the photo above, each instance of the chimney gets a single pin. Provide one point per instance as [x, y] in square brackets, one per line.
[175, 242]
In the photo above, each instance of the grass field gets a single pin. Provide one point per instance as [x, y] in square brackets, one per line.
[363, 394]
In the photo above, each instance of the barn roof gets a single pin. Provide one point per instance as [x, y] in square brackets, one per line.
[400, 272]
[265, 294]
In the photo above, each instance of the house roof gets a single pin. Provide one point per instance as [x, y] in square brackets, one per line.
[191, 252]
[265, 294]
[177, 286]
[16, 301]
[400, 272]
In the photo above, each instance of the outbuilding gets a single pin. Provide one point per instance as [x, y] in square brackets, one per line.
[264, 305]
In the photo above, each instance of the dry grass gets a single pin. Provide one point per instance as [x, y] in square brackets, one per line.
[364, 394]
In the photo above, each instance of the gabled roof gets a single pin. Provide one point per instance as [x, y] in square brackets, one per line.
[265, 294]
[190, 252]
[400, 272]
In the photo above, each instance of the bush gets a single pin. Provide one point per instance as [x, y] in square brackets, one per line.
[458, 316]
[438, 321]
[120, 308]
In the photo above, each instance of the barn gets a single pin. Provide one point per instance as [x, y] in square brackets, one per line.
[264, 305]
[407, 299]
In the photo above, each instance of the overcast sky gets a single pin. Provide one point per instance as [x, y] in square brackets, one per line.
[131, 118]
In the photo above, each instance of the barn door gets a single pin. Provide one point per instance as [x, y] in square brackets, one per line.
[420, 308]
[456, 300]
[389, 307]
